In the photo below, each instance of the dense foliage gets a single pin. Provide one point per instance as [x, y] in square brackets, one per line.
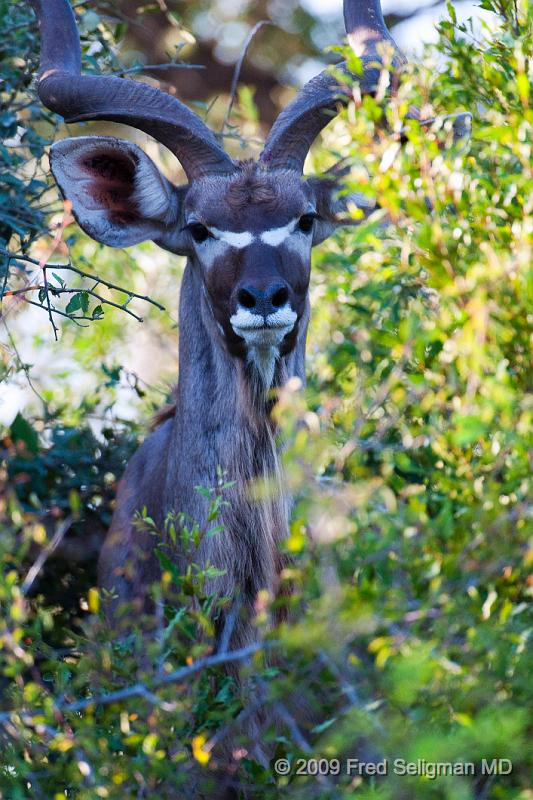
[411, 536]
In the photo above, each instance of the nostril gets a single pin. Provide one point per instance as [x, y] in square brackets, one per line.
[280, 297]
[246, 298]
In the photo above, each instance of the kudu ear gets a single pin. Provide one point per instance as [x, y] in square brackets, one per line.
[333, 204]
[118, 195]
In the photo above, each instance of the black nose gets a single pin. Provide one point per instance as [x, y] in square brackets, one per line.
[263, 302]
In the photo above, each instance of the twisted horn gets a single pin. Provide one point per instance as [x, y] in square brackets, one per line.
[78, 97]
[318, 101]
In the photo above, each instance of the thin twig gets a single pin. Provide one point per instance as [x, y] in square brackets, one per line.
[300, 741]
[156, 701]
[229, 625]
[139, 689]
[292, 725]
[238, 68]
[56, 290]
[4, 282]
[236, 723]
[45, 553]
[155, 67]
[86, 275]
[62, 313]
[48, 301]
[43, 263]
[24, 367]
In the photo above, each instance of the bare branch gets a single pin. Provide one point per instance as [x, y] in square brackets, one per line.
[45, 553]
[292, 725]
[89, 276]
[43, 263]
[24, 367]
[238, 66]
[156, 67]
[48, 302]
[73, 317]
[229, 625]
[59, 290]
[139, 689]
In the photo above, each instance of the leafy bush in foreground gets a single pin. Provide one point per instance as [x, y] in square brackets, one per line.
[408, 636]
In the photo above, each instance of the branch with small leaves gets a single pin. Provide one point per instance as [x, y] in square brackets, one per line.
[78, 307]
[140, 689]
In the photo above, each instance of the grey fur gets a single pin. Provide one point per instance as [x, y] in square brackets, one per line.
[221, 420]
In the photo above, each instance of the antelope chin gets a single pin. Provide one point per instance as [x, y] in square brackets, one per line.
[263, 337]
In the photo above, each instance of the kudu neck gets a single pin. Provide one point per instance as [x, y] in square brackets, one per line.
[217, 424]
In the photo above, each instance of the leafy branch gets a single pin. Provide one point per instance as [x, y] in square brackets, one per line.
[79, 300]
[140, 689]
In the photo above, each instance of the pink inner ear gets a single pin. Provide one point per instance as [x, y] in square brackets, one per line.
[110, 184]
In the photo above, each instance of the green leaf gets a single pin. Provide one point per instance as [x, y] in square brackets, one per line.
[468, 429]
[59, 279]
[74, 304]
[451, 12]
[22, 431]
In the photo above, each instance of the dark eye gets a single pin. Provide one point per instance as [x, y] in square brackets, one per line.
[199, 232]
[305, 223]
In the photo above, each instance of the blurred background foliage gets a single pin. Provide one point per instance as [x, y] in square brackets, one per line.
[409, 633]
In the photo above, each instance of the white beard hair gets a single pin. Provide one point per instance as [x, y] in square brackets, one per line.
[263, 361]
[263, 343]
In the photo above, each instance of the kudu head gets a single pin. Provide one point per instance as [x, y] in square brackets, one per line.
[248, 227]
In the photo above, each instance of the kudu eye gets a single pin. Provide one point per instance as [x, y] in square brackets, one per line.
[198, 232]
[306, 222]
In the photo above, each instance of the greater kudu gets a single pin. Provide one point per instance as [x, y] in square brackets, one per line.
[247, 229]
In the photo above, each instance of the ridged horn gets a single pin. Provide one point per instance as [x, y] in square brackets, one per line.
[316, 104]
[63, 89]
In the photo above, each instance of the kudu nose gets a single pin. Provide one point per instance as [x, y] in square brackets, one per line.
[263, 302]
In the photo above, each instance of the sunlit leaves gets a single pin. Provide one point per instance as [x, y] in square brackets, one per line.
[409, 457]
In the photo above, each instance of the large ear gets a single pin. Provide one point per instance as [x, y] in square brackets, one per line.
[333, 205]
[118, 195]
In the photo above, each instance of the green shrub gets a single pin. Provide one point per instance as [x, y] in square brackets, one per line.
[409, 625]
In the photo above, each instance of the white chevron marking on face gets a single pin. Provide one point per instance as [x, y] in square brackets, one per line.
[277, 236]
[273, 237]
[238, 240]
